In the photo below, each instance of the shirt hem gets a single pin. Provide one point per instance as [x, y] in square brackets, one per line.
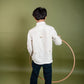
[42, 63]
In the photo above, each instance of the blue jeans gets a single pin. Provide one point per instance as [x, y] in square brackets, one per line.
[47, 71]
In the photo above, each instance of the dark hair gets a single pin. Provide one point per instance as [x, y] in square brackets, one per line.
[40, 13]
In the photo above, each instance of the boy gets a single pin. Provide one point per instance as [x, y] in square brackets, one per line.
[39, 45]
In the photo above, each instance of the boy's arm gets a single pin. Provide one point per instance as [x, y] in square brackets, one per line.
[29, 44]
[57, 40]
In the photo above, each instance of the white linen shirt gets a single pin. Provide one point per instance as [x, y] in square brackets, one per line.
[39, 43]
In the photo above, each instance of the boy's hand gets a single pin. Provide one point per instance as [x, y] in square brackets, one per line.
[59, 36]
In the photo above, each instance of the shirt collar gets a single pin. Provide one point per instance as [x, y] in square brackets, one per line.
[40, 23]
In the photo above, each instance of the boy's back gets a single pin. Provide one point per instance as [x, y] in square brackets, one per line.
[41, 36]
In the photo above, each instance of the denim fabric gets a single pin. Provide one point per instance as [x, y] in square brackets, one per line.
[47, 71]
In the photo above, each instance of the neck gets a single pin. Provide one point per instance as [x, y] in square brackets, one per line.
[42, 20]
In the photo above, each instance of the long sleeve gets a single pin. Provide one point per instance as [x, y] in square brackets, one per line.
[29, 44]
[57, 40]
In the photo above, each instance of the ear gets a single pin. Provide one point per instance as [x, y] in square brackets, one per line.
[45, 17]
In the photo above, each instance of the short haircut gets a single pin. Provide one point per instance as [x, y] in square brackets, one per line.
[40, 13]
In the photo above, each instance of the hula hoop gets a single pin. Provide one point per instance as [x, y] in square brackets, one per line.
[71, 69]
